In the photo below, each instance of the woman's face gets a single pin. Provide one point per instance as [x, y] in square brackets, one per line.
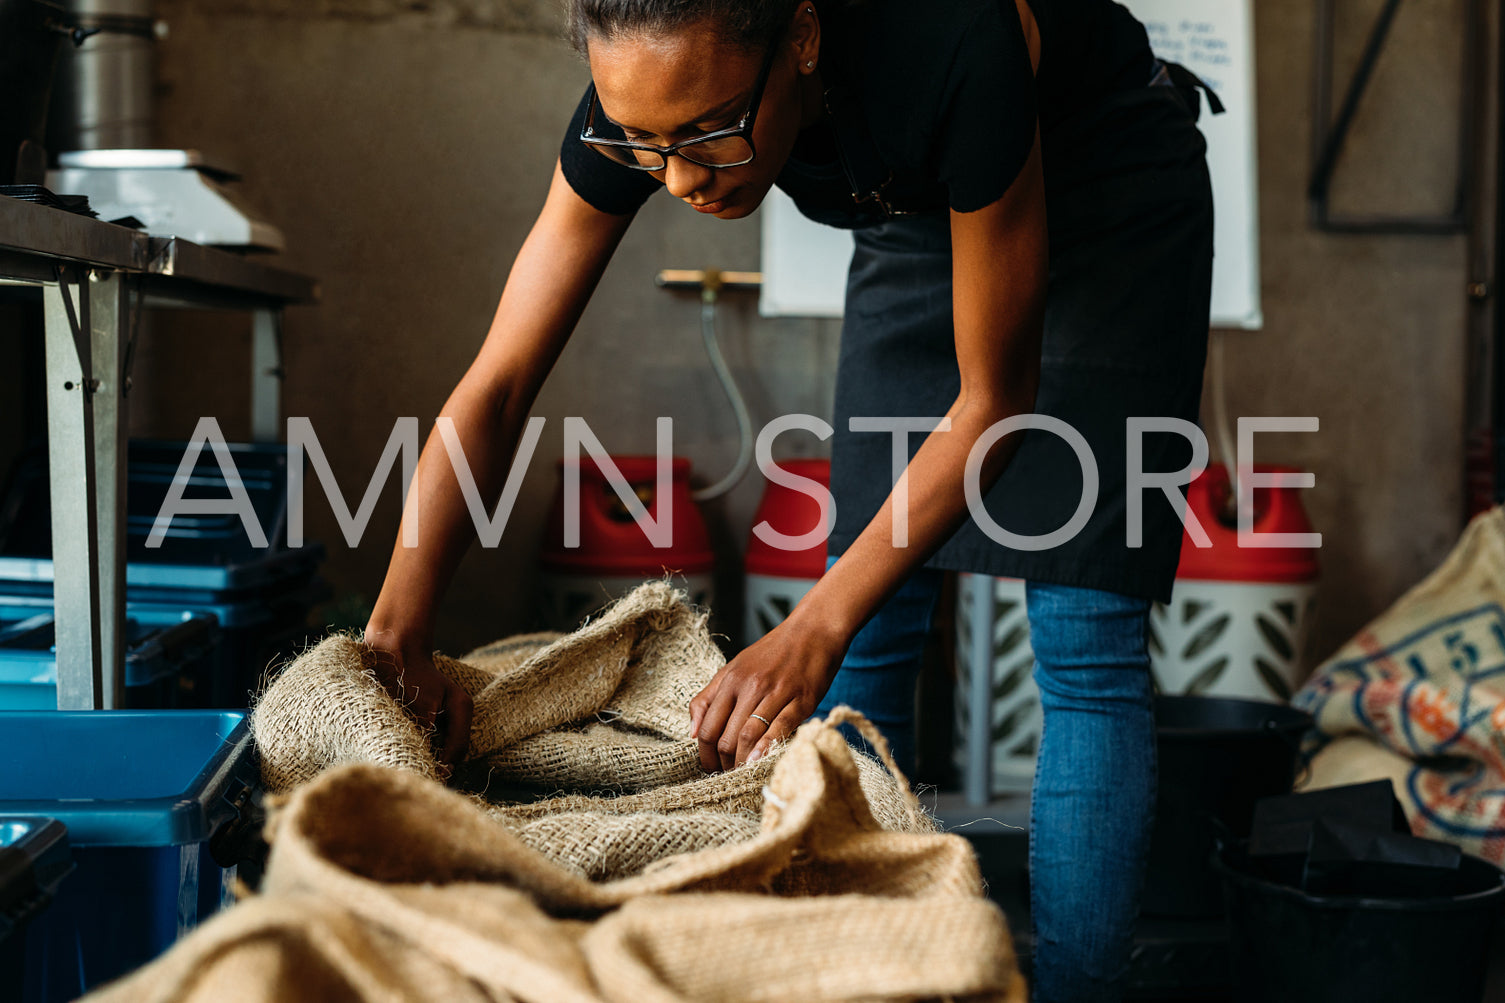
[666, 89]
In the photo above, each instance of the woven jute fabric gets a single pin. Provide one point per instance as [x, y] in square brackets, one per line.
[384, 885]
[581, 854]
[633, 671]
[602, 711]
[603, 846]
[740, 790]
[596, 757]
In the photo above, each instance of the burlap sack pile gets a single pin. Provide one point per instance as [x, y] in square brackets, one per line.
[384, 885]
[1418, 697]
[812, 874]
[599, 716]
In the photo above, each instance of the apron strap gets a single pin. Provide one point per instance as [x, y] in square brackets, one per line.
[1180, 76]
[866, 173]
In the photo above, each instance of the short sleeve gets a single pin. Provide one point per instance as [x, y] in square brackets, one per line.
[988, 110]
[608, 187]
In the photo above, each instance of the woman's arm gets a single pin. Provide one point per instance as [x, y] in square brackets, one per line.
[550, 283]
[999, 273]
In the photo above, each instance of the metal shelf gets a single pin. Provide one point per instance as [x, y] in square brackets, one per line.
[193, 275]
[94, 278]
[34, 239]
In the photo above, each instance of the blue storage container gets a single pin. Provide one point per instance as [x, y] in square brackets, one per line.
[206, 564]
[210, 555]
[254, 634]
[147, 796]
[34, 858]
[165, 648]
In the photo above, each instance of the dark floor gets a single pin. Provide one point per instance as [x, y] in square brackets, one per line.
[1174, 960]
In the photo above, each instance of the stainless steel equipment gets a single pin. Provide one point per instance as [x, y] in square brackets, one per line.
[103, 96]
[172, 192]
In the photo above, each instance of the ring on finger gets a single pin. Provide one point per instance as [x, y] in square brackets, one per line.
[760, 717]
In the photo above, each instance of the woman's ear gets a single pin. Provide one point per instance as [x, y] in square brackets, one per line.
[804, 35]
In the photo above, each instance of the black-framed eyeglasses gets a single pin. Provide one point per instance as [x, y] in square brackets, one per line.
[729, 147]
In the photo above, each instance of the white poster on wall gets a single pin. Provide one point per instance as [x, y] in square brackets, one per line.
[1215, 40]
[805, 264]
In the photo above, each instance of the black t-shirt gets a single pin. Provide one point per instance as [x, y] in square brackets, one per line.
[943, 97]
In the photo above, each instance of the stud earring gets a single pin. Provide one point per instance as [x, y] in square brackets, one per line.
[810, 65]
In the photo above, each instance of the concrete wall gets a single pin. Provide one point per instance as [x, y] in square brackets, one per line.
[404, 148]
[405, 151]
[1365, 332]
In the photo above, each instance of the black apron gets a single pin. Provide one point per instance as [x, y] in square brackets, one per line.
[1129, 203]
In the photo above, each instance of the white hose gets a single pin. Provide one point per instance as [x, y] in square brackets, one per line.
[739, 406]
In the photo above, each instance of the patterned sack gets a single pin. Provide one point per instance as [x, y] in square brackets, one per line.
[1418, 697]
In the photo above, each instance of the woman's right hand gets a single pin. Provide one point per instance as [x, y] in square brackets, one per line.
[435, 701]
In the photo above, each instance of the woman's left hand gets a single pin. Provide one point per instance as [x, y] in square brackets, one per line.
[780, 678]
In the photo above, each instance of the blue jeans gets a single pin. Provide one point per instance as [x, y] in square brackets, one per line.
[1093, 802]
[882, 666]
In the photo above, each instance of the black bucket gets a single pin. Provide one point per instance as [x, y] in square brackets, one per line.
[1292, 946]
[1217, 758]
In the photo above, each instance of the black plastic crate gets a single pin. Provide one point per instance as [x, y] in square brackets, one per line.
[34, 860]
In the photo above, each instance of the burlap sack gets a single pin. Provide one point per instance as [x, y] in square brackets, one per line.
[740, 790]
[611, 703]
[601, 846]
[595, 757]
[811, 874]
[383, 885]
[510, 652]
[635, 668]
[1425, 682]
[1354, 759]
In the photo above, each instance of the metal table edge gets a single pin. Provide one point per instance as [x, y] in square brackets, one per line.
[31, 231]
[174, 260]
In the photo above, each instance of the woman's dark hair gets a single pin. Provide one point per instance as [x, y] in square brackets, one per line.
[751, 24]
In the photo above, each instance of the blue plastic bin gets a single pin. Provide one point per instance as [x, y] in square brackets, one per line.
[210, 555]
[34, 858]
[146, 797]
[164, 647]
[253, 635]
[262, 597]
[256, 634]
